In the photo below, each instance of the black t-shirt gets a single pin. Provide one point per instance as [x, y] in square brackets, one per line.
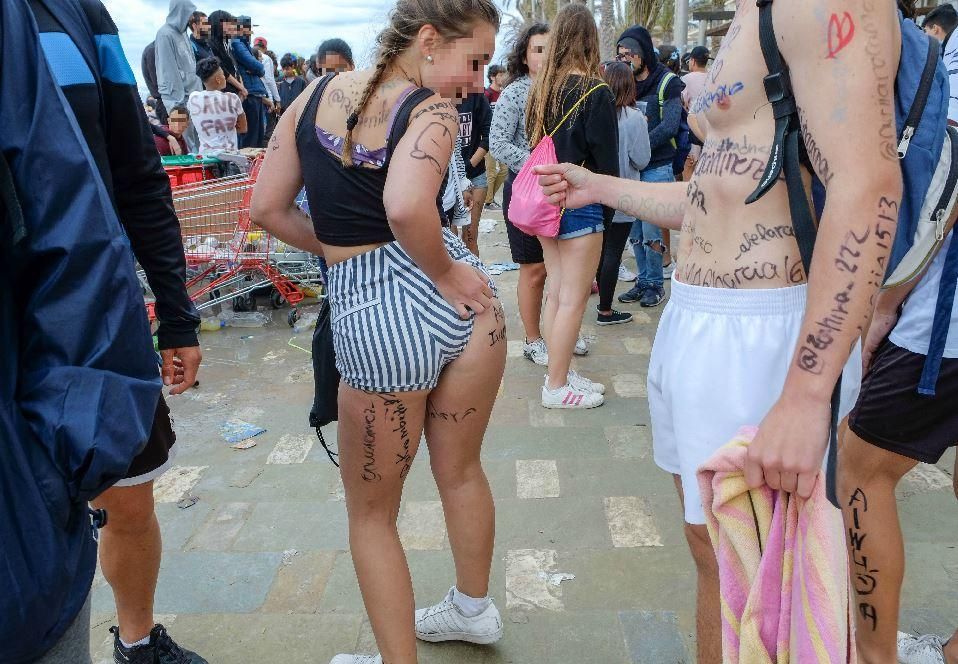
[475, 119]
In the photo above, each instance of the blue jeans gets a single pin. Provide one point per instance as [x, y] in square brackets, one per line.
[648, 260]
[581, 221]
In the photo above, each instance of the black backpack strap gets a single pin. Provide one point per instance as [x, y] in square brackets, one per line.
[786, 156]
[10, 204]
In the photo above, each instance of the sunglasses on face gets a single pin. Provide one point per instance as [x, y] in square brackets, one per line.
[623, 57]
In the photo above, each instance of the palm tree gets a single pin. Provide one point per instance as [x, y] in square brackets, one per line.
[607, 28]
[643, 12]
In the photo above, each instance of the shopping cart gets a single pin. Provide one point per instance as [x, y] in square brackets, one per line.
[228, 258]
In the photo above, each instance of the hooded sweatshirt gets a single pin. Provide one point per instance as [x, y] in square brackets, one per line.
[663, 122]
[175, 63]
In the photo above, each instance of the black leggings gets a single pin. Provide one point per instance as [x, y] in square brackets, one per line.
[613, 244]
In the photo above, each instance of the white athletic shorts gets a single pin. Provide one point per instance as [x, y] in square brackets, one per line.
[719, 363]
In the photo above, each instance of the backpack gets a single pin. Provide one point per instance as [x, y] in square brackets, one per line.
[928, 154]
[529, 211]
[682, 141]
[80, 381]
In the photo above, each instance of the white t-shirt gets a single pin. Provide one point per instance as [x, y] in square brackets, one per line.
[694, 86]
[214, 114]
[913, 331]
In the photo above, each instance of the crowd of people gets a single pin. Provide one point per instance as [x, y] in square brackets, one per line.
[404, 156]
[215, 88]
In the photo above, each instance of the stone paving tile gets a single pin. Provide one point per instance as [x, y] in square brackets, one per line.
[653, 637]
[208, 582]
[221, 528]
[633, 442]
[300, 584]
[305, 526]
[537, 479]
[631, 522]
[229, 638]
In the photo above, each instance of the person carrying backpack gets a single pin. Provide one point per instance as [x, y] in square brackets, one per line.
[747, 338]
[906, 413]
[659, 93]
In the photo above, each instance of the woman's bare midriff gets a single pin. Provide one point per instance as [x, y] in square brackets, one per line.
[335, 255]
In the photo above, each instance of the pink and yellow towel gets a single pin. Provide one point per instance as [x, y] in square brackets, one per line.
[782, 567]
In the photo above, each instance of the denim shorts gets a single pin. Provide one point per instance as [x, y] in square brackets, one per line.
[481, 181]
[582, 221]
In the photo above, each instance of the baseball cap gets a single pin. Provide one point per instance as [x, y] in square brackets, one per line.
[700, 54]
[260, 41]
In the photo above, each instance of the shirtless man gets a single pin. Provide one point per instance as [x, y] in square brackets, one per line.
[744, 340]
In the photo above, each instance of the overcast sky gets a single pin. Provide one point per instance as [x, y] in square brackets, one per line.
[288, 26]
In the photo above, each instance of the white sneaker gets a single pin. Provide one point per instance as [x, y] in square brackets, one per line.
[580, 347]
[537, 352]
[580, 382]
[926, 649]
[625, 274]
[569, 397]
[356, 659]
[668, 271]
[445, 622]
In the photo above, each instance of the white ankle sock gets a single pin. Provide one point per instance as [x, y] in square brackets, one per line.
[142, 642]
[470, 606]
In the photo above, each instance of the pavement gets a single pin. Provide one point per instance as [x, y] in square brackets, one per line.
[590, 566]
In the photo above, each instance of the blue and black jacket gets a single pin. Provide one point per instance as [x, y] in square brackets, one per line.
[80, 383]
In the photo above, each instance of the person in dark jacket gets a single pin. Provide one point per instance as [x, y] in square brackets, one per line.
[251, 71]
[148, 66]
[223, 28]
[200, 36]
[114, 127]
[475, 119]
[653, 81]
[290, 84]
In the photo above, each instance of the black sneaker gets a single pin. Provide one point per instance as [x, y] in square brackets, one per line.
[493, 206]
[632, 296]
[160, 650]
[614, 318]
[653, 297]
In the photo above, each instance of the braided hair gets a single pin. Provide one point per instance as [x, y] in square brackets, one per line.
[452, 19]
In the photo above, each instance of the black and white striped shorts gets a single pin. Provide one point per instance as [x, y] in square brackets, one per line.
[392, 330]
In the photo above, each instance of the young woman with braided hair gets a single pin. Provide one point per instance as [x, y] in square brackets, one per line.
[419, 332]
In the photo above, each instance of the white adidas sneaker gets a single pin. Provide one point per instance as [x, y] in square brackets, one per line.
[581, 348]
[537, 352]
[580, 382]
[445, 622]
[569, 397]
[357, 659]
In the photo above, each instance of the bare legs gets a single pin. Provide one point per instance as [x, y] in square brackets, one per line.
[379, 438]
[868, 476]
[708, 617]
[532, 283]
[571, 266]
[130, 549]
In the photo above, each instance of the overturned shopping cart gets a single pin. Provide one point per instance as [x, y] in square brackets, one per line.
[229, 258]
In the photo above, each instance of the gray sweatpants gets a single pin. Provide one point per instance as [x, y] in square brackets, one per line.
[74, 646]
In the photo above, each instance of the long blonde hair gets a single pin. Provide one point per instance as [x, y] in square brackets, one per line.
[573, 47]
[452, 19]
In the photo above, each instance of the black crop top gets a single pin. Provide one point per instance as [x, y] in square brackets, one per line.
[346, 204]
